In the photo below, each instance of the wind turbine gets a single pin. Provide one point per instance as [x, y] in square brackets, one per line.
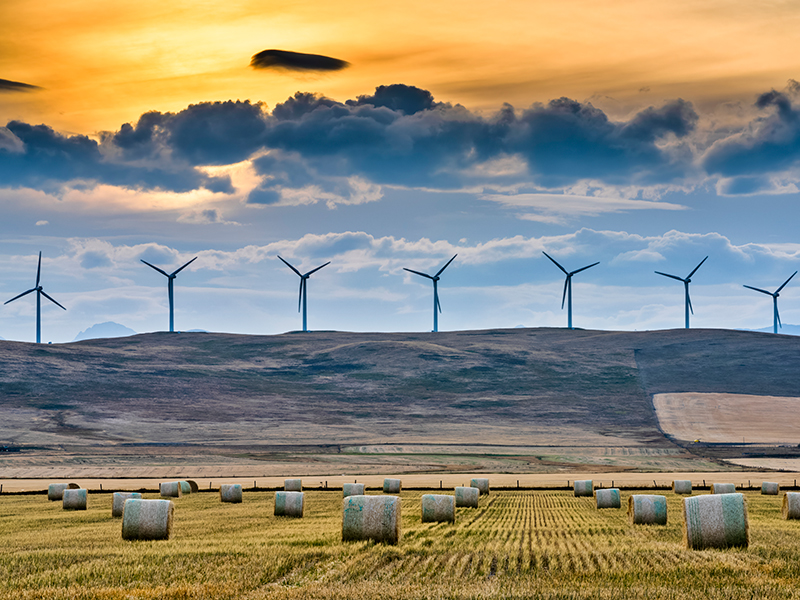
[170, 278]
[686, 283]
[435, 279]
[776, 319]
[39, 293]
[301, 301]
[568, 286]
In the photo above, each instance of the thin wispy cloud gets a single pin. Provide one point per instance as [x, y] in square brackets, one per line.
[16, 86]
[296, 61]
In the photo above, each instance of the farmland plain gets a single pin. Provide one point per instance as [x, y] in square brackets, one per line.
[517, 544]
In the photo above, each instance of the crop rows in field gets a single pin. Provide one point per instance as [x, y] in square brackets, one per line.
[516, 539]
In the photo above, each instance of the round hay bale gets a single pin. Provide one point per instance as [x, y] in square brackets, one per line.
[118, 502]
[392, 486]
[75, 499]
[147, 519]
[230, 492]
[583, 487]
[647, 509]
[55, 491]
[73, 486]
[770, 488]
[292, 485]
[682, 486]
[723, 488]
[467, 497]
[371, 518]
[607, 498]
[438, 508]
[186, 487]
[791, 505]
[715, 521]
[193, 485]
[289, 504]
[352, 489]
[481, 484]
[171, 489]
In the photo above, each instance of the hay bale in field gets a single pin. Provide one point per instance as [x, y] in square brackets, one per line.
[682, 486]
[770, 488]
[118, 502]
[371, 518]
[647, 509]
[583, 487]
[292, 485]
[193, 485]
[73, 486]
[481, 484]
[352, 489]
[147, 519]
[723, 488]
[392, 486]
[230, 492]
[607, 498]
[75, 499]
[467, 497]
[186, 487]
[289, 504]
[791, 505]
[715, 521]
[438, 508]
[55, 491]
[171, 489]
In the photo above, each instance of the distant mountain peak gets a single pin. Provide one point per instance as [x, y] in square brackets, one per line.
[109, 329]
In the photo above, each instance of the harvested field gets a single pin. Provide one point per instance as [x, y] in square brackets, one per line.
[729, 418]
[516, 544]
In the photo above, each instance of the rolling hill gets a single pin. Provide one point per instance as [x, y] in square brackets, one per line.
[538, 393]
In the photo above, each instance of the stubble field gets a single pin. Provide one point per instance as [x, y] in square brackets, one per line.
[531, 544]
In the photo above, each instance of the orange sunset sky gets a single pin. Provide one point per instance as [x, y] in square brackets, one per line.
[101, 64]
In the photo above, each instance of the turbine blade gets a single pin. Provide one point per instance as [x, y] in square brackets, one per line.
[300, 297]
[417, 273]
[51, 300]
[164, 273]
[436, 298]
[584, 268]
[750, 287]
[21, 295]
[671, 276]
[778, 314]
[446, 265]
[183, 267]
[689, 276]
[291, 267]
[689, 300]
[39, 269]
[785, 282]
[317, 269]
[564, 295]
[555, 263]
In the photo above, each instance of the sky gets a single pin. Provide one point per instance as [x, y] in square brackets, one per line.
[379, 136]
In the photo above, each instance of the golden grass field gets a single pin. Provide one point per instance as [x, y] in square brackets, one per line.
[540, 544]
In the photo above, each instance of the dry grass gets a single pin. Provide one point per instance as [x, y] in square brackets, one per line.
[517, 544]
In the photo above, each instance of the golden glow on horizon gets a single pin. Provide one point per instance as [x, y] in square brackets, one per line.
[103, 64]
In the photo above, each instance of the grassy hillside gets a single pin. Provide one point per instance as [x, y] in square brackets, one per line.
[334, 390]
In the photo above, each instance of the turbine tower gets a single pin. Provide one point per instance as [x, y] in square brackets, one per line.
[170, 278]
[301, 301]
[437, 308]
[686, 283]
[568, 286]
[776, 319]
[39, 293]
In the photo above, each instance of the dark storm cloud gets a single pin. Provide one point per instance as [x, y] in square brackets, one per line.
[16, 86]
[771, 145]
[296, 61]
[406, 99]
[46, 159]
